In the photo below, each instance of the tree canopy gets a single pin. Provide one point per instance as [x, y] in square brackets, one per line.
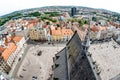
[34, 14]
[52, 14]
[81, 22]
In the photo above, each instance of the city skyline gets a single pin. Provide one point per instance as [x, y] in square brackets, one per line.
[73, 43]
[15, 5]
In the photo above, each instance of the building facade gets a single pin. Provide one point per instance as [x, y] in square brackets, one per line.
[11, 52]
[56, 35]
[62, 34]
[4, 67]
[37, 34]
[73, 11]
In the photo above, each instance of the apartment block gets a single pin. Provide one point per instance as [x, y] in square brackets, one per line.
[37, 34]
[4, 67]
[61, 34]
[10, 50]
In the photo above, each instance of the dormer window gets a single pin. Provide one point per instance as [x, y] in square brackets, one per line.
[55, 78]
[57, 57]
[56, 65]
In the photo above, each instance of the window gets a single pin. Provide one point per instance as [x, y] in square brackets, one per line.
[55, 78]
[68, 47]
[70, 56]
[57, 57]
[56, 65]
[40, 32]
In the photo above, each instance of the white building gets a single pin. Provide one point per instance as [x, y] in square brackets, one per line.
[13, 49]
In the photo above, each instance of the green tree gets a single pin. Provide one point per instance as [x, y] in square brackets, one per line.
[58, 25]
[81, 22]
[94, 19]
[86, 22]
[109, 19]
[3, 21]
[48, 23]
[54, 20]
[9, 17]
[94, 12]
[34, 14]
[0, 22]
[52, 14]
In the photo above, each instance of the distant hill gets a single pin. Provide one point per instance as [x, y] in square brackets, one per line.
[62, 7]
[9, 14]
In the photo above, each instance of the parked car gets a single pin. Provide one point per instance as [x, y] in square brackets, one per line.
[34, 77]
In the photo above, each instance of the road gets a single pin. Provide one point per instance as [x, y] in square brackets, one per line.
[18, 63]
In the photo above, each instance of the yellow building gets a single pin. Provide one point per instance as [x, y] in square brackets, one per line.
[33, 34]
[37, 34]
[62, 34]
[56, 35]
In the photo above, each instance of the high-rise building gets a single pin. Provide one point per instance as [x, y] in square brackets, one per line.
[73, 11]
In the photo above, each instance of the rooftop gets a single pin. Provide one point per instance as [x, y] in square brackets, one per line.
[7, 52]
[17, 38]
[62, 32]
[1, 49]
[107, 58]
[81, 31]
[60, 71]
[67, 32]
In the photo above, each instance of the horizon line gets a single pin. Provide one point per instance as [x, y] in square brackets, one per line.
[53, 6]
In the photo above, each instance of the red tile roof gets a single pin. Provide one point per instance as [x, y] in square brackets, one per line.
[17, 38]
[2, 49]
[67, 32]
[62, 32]
[8, 51]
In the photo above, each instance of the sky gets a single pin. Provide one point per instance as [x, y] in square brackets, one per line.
[7, 6]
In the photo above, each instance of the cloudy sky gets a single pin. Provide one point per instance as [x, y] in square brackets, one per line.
[7, 6]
